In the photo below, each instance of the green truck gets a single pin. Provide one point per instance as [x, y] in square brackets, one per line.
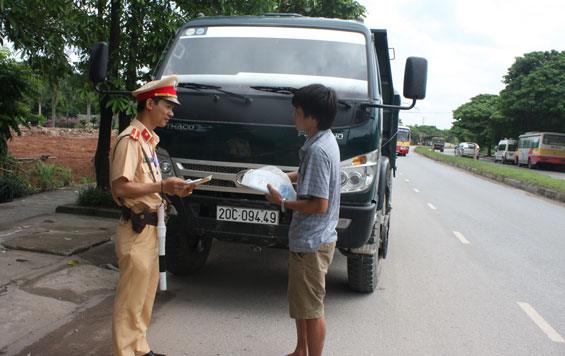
[237, 76]
[438, 143]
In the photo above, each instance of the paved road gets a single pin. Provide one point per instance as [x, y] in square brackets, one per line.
[474, 268]
[550, 172]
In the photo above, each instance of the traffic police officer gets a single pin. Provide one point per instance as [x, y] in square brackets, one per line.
[138, 188]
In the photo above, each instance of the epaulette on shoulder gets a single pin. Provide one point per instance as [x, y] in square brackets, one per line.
[134, 134]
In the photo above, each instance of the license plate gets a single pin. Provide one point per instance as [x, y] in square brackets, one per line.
[247, 215]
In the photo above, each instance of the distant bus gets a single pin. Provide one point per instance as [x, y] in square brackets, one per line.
[403, 140]
[537, 148]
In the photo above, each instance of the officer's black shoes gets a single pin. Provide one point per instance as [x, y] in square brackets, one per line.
[151, 353]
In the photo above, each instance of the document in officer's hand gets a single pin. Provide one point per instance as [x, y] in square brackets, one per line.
[199, 181]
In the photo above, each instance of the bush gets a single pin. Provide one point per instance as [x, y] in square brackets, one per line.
[12, 184]
[91, 196]
[12, 187]
[87, 180]
[48, 176]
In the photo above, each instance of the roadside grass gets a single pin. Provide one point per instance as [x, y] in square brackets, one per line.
[527, 177]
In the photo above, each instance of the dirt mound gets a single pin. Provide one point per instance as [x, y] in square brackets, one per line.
[65, 147]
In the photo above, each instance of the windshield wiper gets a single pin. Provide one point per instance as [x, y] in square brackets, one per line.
[199, 86]
[280, 90]
[291, 90]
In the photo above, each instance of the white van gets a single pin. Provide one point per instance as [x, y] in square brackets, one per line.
[505, 151]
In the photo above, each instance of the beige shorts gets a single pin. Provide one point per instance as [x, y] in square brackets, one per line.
[307, 282]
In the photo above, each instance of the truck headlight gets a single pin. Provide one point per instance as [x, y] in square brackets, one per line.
[165, 167]
[358, 173]
[165, 163]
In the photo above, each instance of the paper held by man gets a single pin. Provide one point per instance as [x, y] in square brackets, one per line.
[259, 178]
[199, 181]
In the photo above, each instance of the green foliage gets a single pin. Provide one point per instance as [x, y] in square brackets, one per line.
[533, 100]
[87, 180]
[91, 196]
[12, 184]
[473, 120]
[49, 176]
[534, 97]
[525, 176]
[427, 132]
[344, 9]
[12, 187]
[17, 86]
[120, 103]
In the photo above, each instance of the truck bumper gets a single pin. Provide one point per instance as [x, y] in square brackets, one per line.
[197, 216]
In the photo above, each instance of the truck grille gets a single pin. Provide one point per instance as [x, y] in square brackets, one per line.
[212, 169]
[224, 174]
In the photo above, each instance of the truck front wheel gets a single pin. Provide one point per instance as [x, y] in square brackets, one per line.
[363, 271]
[186, 254]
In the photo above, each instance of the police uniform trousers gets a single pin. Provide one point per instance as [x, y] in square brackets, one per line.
[138, 260]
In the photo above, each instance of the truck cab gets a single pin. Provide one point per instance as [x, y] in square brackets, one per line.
[236, 80]
[438, 143]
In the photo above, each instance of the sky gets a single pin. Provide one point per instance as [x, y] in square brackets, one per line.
[469, 45]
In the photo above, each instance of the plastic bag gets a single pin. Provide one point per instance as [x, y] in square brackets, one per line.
[259, 178]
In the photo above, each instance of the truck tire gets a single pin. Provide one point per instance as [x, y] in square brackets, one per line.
[364, 270]
[186, 254]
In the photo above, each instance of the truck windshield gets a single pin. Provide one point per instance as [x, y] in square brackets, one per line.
[240, 57]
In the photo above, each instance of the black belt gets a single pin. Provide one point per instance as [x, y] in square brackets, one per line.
[139, 220]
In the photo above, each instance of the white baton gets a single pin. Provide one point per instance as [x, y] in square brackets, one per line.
[161, 234]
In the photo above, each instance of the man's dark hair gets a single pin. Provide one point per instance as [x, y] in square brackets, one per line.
[317, 101]
[141, 104]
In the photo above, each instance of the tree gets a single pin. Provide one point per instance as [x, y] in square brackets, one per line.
[426, 132]
[473, 120]
[41, 30]
[137, 32]
[16, 92]
[343, 9]
[149, 29]
[534, 96]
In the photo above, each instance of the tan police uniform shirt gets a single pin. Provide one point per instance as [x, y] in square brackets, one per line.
[127, 160]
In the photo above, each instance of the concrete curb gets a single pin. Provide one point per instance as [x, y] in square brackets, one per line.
[545, 192]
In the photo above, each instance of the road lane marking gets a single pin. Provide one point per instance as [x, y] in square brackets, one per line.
[541, 323]
[416, 190]
[461, 237]
[432, 206]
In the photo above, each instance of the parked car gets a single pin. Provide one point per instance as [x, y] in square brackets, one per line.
[505, 151]
[467, 149]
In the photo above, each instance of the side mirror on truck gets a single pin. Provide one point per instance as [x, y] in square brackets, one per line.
[415, 81]
[415, 78]
[98, 62]
[98, 68]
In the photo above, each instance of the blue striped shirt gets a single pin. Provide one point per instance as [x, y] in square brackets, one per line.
[318, 176]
